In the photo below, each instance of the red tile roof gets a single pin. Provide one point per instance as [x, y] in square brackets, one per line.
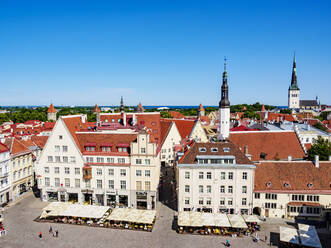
[201, 107]
[48, 126]
[184, 126]
[16, 147]
[3, 148]
[242, 128]
[297, 175]
[51, 109]
[176, 115]
[165, 127]
[311, 204]
[280, 117]
[205, 120]
[39, 141]
[263, 108]
[276, 145]
[96, 109]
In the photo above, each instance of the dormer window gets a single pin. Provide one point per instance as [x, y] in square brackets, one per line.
[202, 149]
[226, 149]
[310, 185]
[90, 147]
[287, 185]
[268, 184]
[214, 149]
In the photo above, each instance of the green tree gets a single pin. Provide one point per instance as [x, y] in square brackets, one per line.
[320, 126]
[320, 147]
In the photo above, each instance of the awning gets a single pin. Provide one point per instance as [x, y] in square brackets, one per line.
[251, 218]
[309, 236]
[237, 221]
[289, 235]
[132, 215]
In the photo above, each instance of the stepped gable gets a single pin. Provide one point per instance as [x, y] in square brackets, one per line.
[293, 176]
[275, 145]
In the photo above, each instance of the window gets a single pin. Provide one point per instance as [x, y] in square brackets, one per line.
[111, 184]
[187, 200]
[67, 182]
[143, 150]
[147, 185]
[187, 175]
[187, 188]
[123, 184]
[46, 169]
[230, 175]
[222, 175]
[200, 201]
[99, 184]
[208, 188]
[202, 149]
[222, 189]
[56, 170]
[57, 182]
[138, 173]
[138, 161]
[66, 170]
[123, 173]
[270, 205]
[208, 175]
[200, 175]
[138, 185]
[214, 149]
[106, 149]
[72, 159]
[47, 182]
[57, 148]
[100, 160]
[244, 189]
[200, 188]
[65, 148]
[77, 171]
[110, 160]
[245, 175]
[110, 172]
[99, 172]
[298, 197]
[65, 159]
[60, 137]
[121, 160]
[230, 201]
[57, 159]
[77, 183]
[50, 159]
[257, 195]
[222, 201]
[147, 173]
[88, 184]
[230, 189]
[90, 148]
[147, 161]
[244, 201]
[271, 196]
[226, 149]
[208, 202]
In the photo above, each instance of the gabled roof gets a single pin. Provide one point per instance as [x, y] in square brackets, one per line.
[191, 154]
[51, 109]
[308, 103]
[201, 107]
[277, 117]
[165, 128]
[140, 108]
[184, 126]
[276, 145]
[3, 148]
[96, 109]
[16, 147]
[39, 141]
[176, 115]
[292, 176]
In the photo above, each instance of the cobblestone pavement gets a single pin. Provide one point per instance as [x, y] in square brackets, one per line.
[23, 232]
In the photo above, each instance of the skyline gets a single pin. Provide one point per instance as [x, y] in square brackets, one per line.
[161, 53]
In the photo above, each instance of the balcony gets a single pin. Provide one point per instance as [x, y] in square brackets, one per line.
[87, 172]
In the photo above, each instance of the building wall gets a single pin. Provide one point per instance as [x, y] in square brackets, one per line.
[198, 133]
[294, 99]
[5, 178]
[215, 182]
[224, 128]
[167, 150]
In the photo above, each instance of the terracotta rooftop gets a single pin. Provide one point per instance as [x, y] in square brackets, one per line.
[165, 127]
[51, 109]
[39, 141]
[275, 145]
[96, 109]
[3, 148]
[184, 126]
[292, 176]
[190, 155]
[176, 115]
[16, 147]
[201, 107]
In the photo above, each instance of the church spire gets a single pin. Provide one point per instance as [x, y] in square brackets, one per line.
[224, 103]
[294, 82]
[122, 105]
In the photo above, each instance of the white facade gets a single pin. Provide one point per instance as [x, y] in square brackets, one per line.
[5, 179]
[224, 119]
[293, 99]
[198, 133]
[167, 149]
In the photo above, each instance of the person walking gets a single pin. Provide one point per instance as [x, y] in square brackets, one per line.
[40, 235]
[57, 233]
[50, 230]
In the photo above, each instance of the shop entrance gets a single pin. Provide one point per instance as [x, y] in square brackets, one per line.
[141, 205]
[123, 200]
[111, 200]
[73, 197]
[88, 198]
[52, 196]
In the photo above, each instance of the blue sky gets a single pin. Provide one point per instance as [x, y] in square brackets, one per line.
[162, 52]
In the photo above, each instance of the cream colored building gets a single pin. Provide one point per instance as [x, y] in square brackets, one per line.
[79, 163]
[292, 189]
[215, 177]
[5, 175]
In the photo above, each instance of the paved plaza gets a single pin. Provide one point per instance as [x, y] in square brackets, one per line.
[23, 232]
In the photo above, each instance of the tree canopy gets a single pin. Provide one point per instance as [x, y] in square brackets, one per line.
[320, 147]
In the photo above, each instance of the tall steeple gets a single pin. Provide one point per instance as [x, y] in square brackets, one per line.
[294, 82]
[122, 105]
[225, 103]
[224, 109]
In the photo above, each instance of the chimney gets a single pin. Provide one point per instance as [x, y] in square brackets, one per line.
[289, 158]
[317, 161]
[246, 150]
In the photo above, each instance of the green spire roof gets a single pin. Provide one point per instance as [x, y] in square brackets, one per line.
[294, 82]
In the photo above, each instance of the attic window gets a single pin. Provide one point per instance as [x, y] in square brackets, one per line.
[263, 155]
[310, 185]
[106, 120]
[226, 149]
[268, 184]
[286, 185]
[214, 149]
[202, 149]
